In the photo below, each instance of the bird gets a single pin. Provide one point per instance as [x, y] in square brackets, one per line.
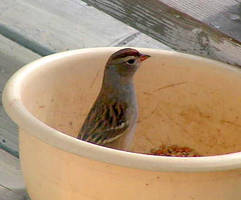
[112, 119]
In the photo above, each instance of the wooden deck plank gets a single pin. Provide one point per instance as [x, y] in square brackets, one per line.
[75, 10]
[12, 57]
[224, 16]
[6, 194]
[11, 181]
[62, 25]
[139, 39]
[162, 21]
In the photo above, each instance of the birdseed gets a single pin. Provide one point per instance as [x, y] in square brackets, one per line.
[174, 151]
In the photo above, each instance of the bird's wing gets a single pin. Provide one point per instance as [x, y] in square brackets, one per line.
[105, 123]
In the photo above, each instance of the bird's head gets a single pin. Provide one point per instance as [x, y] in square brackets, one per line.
[125, 62]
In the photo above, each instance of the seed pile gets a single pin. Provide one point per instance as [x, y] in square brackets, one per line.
[174, 151]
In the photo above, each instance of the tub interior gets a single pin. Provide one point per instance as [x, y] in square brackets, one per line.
[182, 101]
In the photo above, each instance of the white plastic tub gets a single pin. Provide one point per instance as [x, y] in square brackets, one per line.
[183, 100]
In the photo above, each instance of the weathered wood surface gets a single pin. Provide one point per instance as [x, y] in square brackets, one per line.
[12, 57]
[222, 15]
[209, 28]
[51, 26]
[6, 194]
[11, 181]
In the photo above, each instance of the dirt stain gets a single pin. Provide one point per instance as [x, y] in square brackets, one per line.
[169, 86]
[230, 123]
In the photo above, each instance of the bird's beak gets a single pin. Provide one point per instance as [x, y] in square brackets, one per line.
[144, 57]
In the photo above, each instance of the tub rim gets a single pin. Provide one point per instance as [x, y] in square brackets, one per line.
[20, 115]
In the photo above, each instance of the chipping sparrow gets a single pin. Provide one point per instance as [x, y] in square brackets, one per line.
[112, 118]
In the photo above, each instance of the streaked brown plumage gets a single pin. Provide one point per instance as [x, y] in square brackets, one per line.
[112, 118]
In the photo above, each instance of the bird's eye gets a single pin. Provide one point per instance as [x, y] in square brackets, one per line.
[131, 61]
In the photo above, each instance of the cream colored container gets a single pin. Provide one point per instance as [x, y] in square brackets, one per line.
[183, 100]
